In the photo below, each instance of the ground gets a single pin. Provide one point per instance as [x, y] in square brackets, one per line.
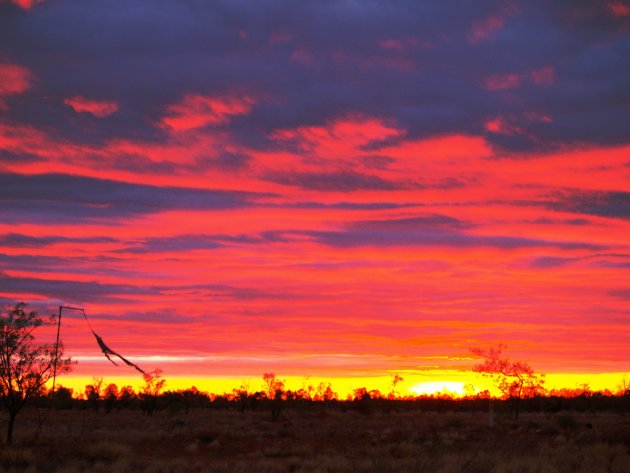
[316, 440]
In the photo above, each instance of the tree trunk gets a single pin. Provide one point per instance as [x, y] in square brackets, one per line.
[12, 416]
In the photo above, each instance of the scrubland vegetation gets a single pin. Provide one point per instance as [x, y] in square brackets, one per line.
[190, 431]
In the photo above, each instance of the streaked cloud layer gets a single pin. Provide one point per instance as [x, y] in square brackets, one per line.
[321, 183]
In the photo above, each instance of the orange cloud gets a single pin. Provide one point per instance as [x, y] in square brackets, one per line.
[98, 108]
[197, 111]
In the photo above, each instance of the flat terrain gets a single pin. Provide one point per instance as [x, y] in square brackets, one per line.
[316, 439]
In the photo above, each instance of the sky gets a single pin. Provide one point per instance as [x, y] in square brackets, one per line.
[332, 189]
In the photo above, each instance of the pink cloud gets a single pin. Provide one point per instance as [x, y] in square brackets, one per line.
[98, 108]
[538, 117]
[391, 44]
[197, 111]
[26, 4]
[499, 126]
[507, 126]
[402, 44]
[543, 76]
[280, 37]
[339, 138]
[302, 56]
[485, 28]
[14, 80]
[503, 81]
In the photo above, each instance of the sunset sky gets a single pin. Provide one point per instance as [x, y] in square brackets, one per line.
[328, 189]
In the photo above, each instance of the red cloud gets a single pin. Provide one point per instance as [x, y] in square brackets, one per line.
[26, 4]
[619, 8]
[498, 125]
[340, 138]
[98, 108]
[14, 79]
[511, 80]
[197, 111]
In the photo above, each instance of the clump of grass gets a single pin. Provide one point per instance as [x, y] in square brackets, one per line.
[17, 459]
[105, 452]
[567, 421]
[454, 422]
[178, 423]
[206, 437]
[477, 465]
[533, 425]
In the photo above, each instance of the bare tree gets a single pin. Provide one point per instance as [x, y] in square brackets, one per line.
[515, 379]
[25, 366]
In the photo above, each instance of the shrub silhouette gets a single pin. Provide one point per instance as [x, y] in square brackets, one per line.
[25, 367]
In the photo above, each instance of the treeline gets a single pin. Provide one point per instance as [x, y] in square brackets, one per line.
[277, 399]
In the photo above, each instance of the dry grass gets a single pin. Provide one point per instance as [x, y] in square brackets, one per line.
[317, 440]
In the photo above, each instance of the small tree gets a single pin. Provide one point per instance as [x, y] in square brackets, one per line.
[153, 385]
[272, 385]
[393, 393]
[25, 367]
[126, 397]
[93, 393]
[110, 396]
[515, 379]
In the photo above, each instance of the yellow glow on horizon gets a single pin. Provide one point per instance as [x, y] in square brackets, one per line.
[439, 387]
[427, 382]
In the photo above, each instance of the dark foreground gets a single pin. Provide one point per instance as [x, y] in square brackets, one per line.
[317, 440]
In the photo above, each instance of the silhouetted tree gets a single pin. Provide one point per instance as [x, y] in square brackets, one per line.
[127, 397]
[93, 393]
[194, 398]
[25, 367]
[153, 384]
[62, 397]
[328, 394]
[110, 397]
[241, 396]
[515, 379]
[276, 405]
[272, 384]
[393, 394]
